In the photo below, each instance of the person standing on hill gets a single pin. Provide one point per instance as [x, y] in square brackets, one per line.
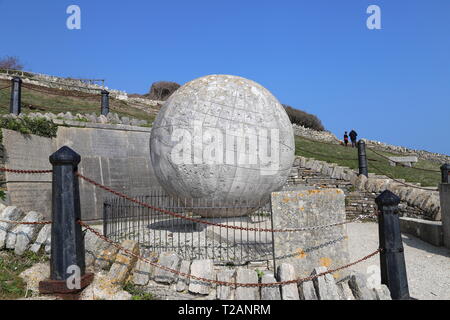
[346, 138]
[353, 137]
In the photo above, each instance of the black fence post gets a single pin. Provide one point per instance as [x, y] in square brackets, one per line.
[445, 170]
[392, 258]
[362, 158]
[16, 96]
[105, 103]
[67, 242]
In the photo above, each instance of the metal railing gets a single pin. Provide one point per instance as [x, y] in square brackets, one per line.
[224, 237]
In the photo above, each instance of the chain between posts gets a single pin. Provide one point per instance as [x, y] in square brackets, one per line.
[222, 283]
[174, 214]
[26, 223]
[26, 171]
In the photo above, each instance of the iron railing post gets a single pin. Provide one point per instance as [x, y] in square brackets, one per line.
[445, 170]
[105, 103]
[67, 258]
[362, 158]
[16, 96]
[392, 259]
[444, 196]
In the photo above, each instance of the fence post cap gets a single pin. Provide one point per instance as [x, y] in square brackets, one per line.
[16, 79]
[65, 155]
[387, 198]
[445, 166]
[105, 92]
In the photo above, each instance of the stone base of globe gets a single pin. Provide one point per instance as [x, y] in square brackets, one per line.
[207, 208]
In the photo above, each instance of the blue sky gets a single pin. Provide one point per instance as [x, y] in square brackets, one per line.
[391, 85]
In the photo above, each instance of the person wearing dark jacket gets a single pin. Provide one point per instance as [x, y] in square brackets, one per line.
[345, 138]
[353, 136]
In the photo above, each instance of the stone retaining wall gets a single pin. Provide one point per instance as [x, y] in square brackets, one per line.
[48, 81]
[324, 136]
[115, 155]
[426, 203]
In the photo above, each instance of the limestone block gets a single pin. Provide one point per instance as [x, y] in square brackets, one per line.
[246, 276]
[170, 260]
[143, 271]
[102, 119]
[2, 208]
[202, 269]
[26, 234]
[225, 292]
[37, 273]
[120, 270]
[382, 293]
[309, 164]
[103, 289]
[358, 285]
[325, 286]
[286, 272]
[307, 291]
[43, 238]
[360, 182]
[9, 214]
[325, 168]
[302, 162]
[270, 293]
[106, 257]
[412, 195]
[183, 282]
[344, 291]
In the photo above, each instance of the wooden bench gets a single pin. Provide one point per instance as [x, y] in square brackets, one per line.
[408, 161]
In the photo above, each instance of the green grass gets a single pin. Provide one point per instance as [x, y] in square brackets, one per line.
[33, 101]
[348, 157]
[11, 285]
[138, 293]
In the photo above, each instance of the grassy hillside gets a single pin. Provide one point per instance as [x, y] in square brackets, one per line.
[348, 157]
[34, 101]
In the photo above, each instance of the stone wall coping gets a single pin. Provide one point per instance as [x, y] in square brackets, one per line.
[121, 127]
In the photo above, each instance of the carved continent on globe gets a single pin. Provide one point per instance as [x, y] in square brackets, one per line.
[253, 154]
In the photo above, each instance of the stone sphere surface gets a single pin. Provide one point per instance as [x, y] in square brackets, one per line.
[222, 138]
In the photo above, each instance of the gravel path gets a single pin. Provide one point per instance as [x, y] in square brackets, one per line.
[427, 266]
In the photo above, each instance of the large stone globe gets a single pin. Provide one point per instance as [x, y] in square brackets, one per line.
[222, 140]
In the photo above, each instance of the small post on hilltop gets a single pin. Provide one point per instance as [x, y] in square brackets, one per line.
[362, 158]
[444, 195]
[16, 96]
[105, 103]
[392, 258]
[67, 259]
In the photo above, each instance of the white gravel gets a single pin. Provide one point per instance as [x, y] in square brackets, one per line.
[428, 267]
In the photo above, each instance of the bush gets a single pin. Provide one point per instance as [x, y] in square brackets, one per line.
[303, 118]
[162, 90]
[37, 126]
[11, 63]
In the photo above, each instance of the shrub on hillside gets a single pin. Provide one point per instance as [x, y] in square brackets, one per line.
[303, 118]
[11, 63]
[162, 90]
